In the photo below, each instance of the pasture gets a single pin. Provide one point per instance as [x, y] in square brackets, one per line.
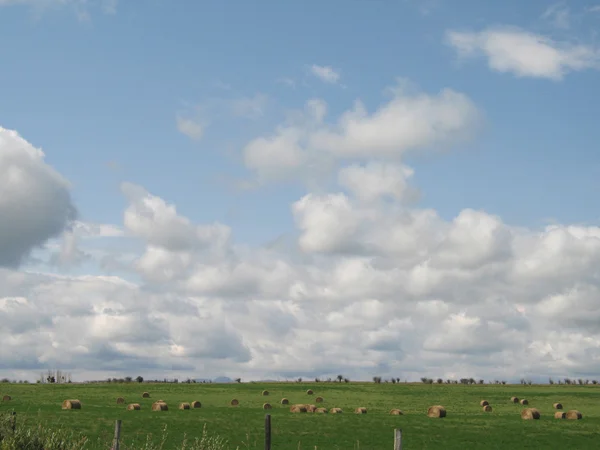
[466, 425]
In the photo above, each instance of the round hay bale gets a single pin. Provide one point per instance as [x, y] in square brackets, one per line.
[120, 400]
[319, 399]
[71, 404]
[298, 408]
[265, 392]
[573, 414]
[360, 410]
[514, 399]
[336, 411]
[146, 395]
[267, 406]
[484, 403]
[321, 411]
[560, 415]
[133, 407]
[184, 406]
[437, 411]
[234, 402]
[530, 414]
[285, 401]
[524, 401]
[487, 408]
[196, 404]
[396, 412]
[6, 398]
[159, 406]
[311, 408]
[557, 405]
[310, 392]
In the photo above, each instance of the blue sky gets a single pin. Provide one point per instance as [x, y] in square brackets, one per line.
[178, 97]
[107, 90]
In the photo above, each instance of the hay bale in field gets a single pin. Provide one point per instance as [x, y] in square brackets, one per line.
[524, 401]
[6, 398]
[133, 407]
[146, 395]
[267, 406]
[159, 406]
[336, 411]
[484, 403]
[311, 408]
[120, 400]
[573, 414]
[487, 408]
[360, 410]
[396, 412]
[530, 414]
[234, 402]
[285, 401]
[321, 411]
[310, 392]
[265, 392]
[319, 399]
[514, 399]
[196, 404]
[184, 406]
[557, 405]
[298, 408]
[560, 415]
[437, 411]
[71, 404]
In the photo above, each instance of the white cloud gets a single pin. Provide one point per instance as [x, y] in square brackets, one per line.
[376, 179]
[594, 9]
[372, 286]
[325, 73]
[159, 224]
[192, 128]
[523, 53]
[408, 121]
[35, 200]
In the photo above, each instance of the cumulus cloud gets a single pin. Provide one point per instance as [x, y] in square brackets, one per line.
[376, 180]
[524, 54]
[373, 285]
[35, 200]
[410, 120]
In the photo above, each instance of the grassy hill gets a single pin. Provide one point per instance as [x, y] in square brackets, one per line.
[466, 425]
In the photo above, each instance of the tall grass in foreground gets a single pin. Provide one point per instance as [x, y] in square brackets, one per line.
[39, 437]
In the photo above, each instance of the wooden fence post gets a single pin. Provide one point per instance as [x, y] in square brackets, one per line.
[268, 432]
[117, 435]
[397, 439]
[13, 421]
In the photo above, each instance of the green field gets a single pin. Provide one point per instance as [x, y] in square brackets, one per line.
[466, 425]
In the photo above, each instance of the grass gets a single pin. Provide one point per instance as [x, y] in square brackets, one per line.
[243, 426]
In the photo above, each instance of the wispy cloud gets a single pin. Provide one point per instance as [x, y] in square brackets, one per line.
[80, 7]
[326, 73]
[250, 107]
[192, 128]
[287, 81]
[558, 15]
